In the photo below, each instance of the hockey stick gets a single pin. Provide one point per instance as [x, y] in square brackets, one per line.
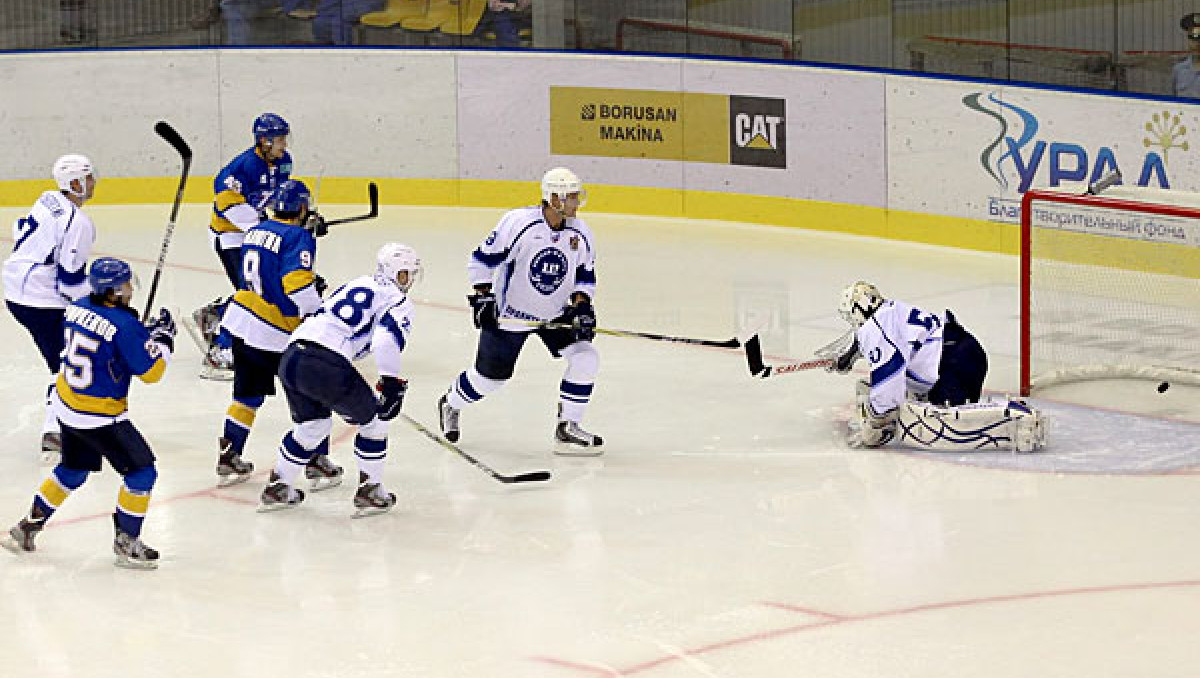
[754, 359]
[373, 199]
[172, 137]
[728, 343]
[531, 477]
[1107, 181]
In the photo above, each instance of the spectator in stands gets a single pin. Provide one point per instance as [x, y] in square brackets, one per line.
[505, 18]
[1185, 78]
[239, 14]
[335, 20]
[77, 21]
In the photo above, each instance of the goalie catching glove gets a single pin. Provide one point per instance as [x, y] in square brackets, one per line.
[391, 396]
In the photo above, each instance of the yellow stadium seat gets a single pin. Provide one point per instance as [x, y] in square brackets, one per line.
[395, 12]
[439, 13]
[465, 21]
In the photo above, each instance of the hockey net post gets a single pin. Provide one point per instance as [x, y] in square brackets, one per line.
[1110, 286]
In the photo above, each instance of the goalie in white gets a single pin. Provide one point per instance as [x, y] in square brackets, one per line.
[940, 365]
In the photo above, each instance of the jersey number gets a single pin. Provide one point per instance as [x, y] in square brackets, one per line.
[25, 228]
[77, 359]
[929, 321]
[353, 305]
[251, 271]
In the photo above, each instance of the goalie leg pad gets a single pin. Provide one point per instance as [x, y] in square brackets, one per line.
[1011, 425]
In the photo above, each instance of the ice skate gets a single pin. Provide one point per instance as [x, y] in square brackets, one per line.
[217, 365]
[51, 452]
[448, 418]
[371, 499]
[322, 473]
[573, 441]
[132, 552]
[231, 468]
[20, 538]
[278, 495]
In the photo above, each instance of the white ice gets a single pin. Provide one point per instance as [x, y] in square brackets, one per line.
[726, 531]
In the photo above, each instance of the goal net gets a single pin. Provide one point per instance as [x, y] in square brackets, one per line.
[1110, 286]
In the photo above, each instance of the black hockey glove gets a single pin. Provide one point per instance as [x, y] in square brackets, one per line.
[483, 310]
[582, 318]
[845, 362]
[320, 285]
[391, 396]
[315, 224]
[162, 329]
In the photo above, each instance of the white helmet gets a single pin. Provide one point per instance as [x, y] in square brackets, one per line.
[70, 167]
[562, 182]
[393, 258]
[859, 301]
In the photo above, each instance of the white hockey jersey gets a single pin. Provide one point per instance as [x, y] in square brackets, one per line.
[363, 316]
[904, 346]
[48, 264]
[533, 268]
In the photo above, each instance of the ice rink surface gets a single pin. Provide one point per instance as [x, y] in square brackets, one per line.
[726, 532]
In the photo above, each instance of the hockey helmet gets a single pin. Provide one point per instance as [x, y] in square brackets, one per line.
[859, 302]
[70, 167]
[289, 198]
[562, 182]
[270, 125]
[393, 258]
[108, 274]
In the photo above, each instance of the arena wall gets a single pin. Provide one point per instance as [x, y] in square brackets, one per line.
[914, 158]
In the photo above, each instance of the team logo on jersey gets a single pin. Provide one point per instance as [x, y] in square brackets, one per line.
[547, 270]
[574, 243]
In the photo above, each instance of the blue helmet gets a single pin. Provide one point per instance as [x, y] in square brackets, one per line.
[107, 274]
[290, 197]
[270, 125]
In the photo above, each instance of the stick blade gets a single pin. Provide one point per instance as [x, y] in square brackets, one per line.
[171, 136]
[754, 357]
[531, 477]
[373, 199]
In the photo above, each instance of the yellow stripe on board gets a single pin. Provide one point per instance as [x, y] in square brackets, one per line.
[972, 234]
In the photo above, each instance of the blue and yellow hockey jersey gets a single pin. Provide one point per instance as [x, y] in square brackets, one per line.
[249, 180]
[105, 347]
[278, 287]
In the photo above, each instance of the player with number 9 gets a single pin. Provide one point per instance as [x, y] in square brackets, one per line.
[278, 288]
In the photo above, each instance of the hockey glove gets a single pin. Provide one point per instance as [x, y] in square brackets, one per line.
[162, 329]
[320, 285]
[582, 318]
[843, 363]
[483, 310]
[391, 396]
[315, 224]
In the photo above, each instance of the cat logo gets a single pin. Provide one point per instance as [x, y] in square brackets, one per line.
[758, 132]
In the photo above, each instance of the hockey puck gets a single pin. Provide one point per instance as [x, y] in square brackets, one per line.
[1162, 388]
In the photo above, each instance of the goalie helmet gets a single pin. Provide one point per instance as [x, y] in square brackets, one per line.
[108, 274]
[70, 167]
[859, 302]
[562, 182]
[393, 258]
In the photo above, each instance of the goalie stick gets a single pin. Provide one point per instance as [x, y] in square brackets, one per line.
[373, 201]
[531, 477]
[754, 359]
[168, 133]
[728, 343]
